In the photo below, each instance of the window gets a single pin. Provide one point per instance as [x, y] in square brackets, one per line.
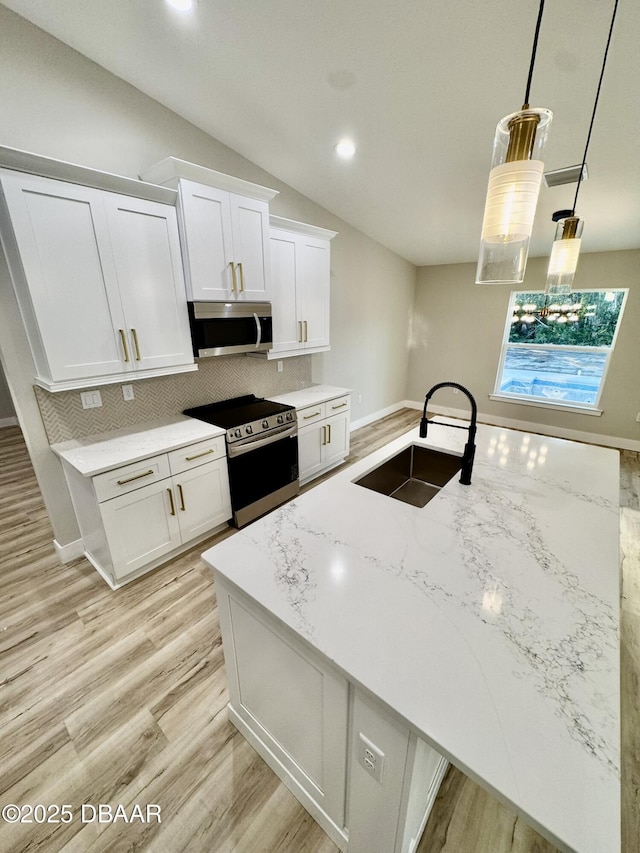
[556, 349]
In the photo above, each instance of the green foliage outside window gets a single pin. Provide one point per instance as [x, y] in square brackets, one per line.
[598, 312]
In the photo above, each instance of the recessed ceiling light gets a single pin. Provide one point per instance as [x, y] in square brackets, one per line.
[180, 5]
[345, 149]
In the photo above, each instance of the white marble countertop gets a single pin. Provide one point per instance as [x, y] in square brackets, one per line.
[311, 396]
[488, 619]
[98, 453]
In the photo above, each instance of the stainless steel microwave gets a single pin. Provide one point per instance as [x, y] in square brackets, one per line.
[225, 328]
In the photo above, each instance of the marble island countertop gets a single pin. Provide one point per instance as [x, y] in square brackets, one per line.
[98, 453]
[488, 620]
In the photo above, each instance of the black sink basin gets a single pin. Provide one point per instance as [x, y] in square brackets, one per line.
[415, 475]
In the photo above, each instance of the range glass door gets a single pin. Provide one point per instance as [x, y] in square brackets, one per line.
[260, 472]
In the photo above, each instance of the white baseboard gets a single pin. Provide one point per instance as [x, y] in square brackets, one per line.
[70, 552]
[527, 426]
[7, 422]
[381, 413]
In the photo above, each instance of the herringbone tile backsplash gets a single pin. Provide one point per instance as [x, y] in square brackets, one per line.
[216, 379]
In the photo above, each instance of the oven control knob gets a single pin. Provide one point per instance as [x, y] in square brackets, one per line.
[237, 433]
[280, 419]
[265, 424]
[248, 429]
[289, 416]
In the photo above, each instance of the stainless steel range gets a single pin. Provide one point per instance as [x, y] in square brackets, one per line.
[262, 452]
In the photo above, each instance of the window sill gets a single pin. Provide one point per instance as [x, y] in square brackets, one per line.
[540, 404]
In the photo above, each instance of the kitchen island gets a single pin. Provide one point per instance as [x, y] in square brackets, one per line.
[365, 637]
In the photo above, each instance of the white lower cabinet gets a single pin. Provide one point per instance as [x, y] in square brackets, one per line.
[135, 517]
[323, 437]
[317, 731]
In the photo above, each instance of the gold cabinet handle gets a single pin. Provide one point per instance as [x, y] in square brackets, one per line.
[312, 415]
[241, 277]
[137, 477]
[329, 428]
[324, 435]
[180, 492]
[234, 283]
[299, 331]
[198, 455]
[123, 338]
[305, 332]
[136, 344]
[173, 509]
[340, 405]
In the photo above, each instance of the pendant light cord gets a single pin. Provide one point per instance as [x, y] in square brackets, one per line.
[533, 55]
[593, 114]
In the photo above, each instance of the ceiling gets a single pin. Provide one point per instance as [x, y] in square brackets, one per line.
[418, 84]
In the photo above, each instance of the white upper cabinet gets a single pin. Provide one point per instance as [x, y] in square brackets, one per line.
[225, 231]
[148, 265]
[99, 281]
[300, 281]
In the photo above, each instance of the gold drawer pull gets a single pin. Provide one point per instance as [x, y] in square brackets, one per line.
[234, 283]
[198, 455]
[329, 428]
[306, 337]
[340, 406]
[241, 277]
[300, 331]
[181, 493]
[173, 509]
[312, 415]
[124, 344]
[324, 435]
[137, 477]
[136, 344]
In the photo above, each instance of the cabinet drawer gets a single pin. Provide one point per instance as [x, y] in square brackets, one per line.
[311, 414]
[197, 454]
[130, 477]
[340, 404]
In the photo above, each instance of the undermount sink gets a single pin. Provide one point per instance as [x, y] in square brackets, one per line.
[415, 475]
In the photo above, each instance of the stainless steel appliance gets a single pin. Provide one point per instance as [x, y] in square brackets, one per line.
[262, 452]
[225, 328]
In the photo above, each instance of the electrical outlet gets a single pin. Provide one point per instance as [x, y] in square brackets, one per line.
[91, 399]
[127, 392]
[370, 757]
[359, 398]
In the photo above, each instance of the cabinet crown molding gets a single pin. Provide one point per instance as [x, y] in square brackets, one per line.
[61, 170]
[169, 171]
[282, 224]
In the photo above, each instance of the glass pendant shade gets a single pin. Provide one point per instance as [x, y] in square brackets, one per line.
[512, 196]
[564, 255]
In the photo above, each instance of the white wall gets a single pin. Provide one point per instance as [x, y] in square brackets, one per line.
[59, 104]
[457, 335]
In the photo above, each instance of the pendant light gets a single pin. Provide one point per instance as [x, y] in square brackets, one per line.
[566, 245]
[514, 185]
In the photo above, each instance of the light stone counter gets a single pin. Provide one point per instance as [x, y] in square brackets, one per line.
[98, 453]
[487, 620]
[311, 396]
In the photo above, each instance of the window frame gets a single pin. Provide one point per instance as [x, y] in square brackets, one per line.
[550, 403]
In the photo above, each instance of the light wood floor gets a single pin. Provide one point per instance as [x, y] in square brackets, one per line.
[119, 698]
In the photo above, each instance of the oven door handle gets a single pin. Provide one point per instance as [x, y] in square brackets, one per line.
[246, 445]
[258, 330]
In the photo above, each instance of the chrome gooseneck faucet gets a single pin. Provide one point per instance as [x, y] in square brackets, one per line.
[470, 447]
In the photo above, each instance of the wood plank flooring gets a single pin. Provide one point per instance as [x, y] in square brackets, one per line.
[119, 698]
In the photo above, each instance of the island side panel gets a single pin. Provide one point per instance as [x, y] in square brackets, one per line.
[289, 704]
